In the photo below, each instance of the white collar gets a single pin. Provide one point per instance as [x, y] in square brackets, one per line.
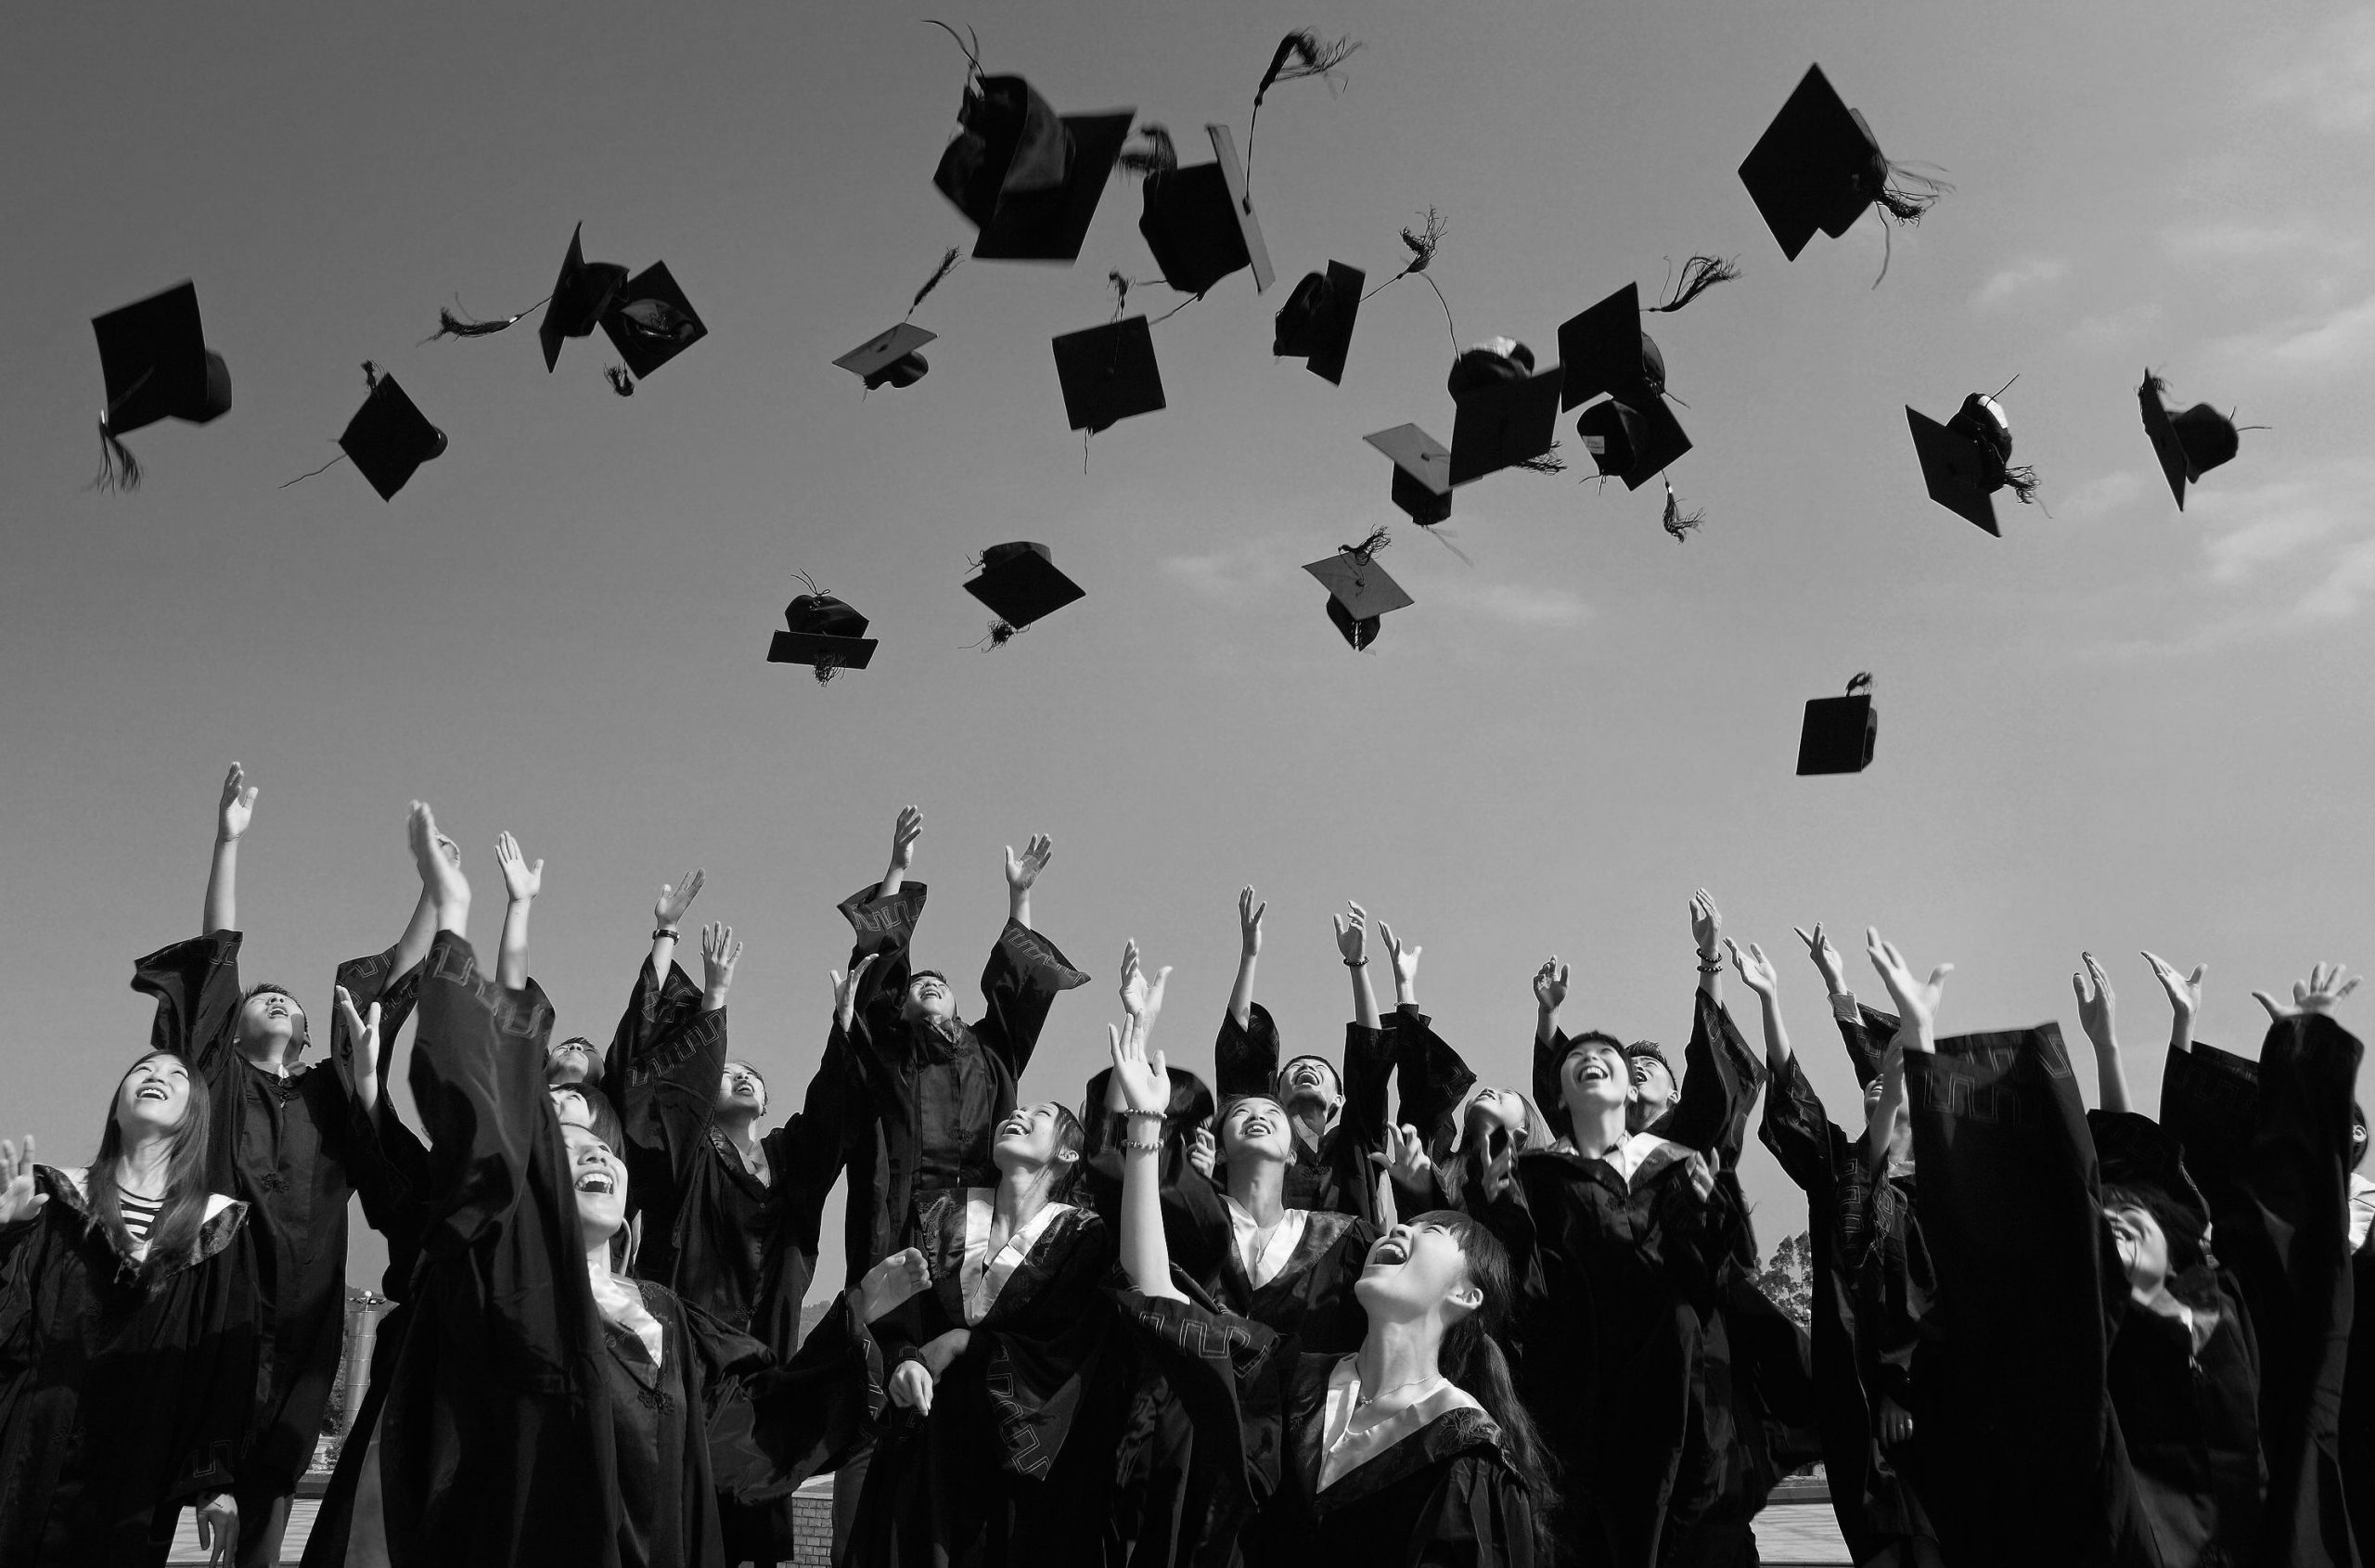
[620, 1300]
[1265, 1262]
[1636, 1154]
[2362, 1209]
[1346, 1446]
[981, 1276]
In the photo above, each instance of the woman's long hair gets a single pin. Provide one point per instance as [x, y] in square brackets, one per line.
[1064, 1175]
[174, 1235]
[1471, 1357]
[1449, 1151]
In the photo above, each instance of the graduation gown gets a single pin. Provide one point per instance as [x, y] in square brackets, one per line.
[295, 1149]
[924, 1104]
[1015, 1463]
[2269, 1141]
[2358, 1401]
[1442, 1497]
[1335, 1173]
[517, 1428]
[120, 1393]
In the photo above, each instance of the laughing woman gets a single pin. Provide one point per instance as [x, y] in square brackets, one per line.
[128, 1343]
[1412, 1449]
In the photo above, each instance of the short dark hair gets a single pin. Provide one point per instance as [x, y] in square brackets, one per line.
[2181, 1230]
[603, 1115]
[593, 1058]
[1588, 1039]
[1653, 1052]
[274, 988]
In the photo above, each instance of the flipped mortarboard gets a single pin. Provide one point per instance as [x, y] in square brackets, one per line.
[1604, 350]
[1029, 178]
[824, 633]
[580, 298]
[1955, 467]
[891, 359]
[1199, 223]
[1020, 584]
[1633, 442]
[1839, 731]
[389, 438]
[154, 360]
[1506, 415]
[1316, 323]
[1818, 167]
[2189, 444]
[1109, 374]
[650, 322]
[1422, 472]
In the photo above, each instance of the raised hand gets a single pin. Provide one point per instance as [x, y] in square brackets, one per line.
[2096, 1004]
[1706, 925]
[1406, 960]
[903, 834]
[1146, 1086]
[238, 806]
[1496, 1160]
[1249, 922]
[1405, 1158]
[1826, 958]
[2184, 991]
[1551, 985]
[218, 1529]
[1023, 870]
[18, 1199]
[676, 898]
[1917, 1001]
[363, 1030]
[1141, 997]
[1353, 933]
[2324, 988]
[522, 881]
[845, 989]
[441, 879]
[1202, 1152]
[1755, 969]
[888, 1285]
[720, 952]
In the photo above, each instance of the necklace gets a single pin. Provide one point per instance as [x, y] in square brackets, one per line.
[1361, 1400]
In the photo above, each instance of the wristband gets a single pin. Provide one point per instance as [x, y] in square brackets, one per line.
[1131, 1147]
[1710, 964]
[1356, 963]
[1146, 1115]
[669, 932]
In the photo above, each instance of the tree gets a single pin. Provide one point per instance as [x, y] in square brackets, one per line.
[1787, 1281]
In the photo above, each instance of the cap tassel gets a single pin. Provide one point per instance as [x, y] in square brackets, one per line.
[1904, 195]
[828, 666]
[1159, 155]
[451, 325]
[1862, 682]
[2022, 483]
[1678, 522]
[1300, 55]
[1366, 551]
[621, 382]
[1001, 633]
[1699, 274]
[1549, 463]
[119, 470]
[323, 470]
[972, 50]
[947, 264]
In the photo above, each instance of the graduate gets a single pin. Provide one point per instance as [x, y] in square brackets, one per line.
[1448, 1122]
[130, 1326]
[294, 1140]
[1411, 1449]
[1336, 1121]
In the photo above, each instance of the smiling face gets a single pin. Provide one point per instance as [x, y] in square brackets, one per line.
[1653, 1087]
[1594, 1079]
[2143, 1247]
[1413, 1269]
[1035, 1136]
[741, 1090]
[601, 1178]
[153, 1097]
[929, 999]
[1255, 1128]
[571, 1061]
[1493, 1111]
[271, 1018]
[1309, 1084]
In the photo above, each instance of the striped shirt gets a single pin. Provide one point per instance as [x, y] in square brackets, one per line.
[139, 1215]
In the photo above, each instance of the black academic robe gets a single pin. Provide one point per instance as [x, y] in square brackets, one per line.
[923, 1104]
[2358, 1401]
[517, 1430]
[1015, 1464]
[2023, 1460]
[1335, 1171]
[1444, 1496]
[295, 1149]
[121, 1394]
[2269, 1141]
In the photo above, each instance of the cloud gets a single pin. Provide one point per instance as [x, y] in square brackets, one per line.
[2035, 272]
[1236, 574]
[1517, 604]
[2116, 327]
[2236, 239]
[2332, 81]
[2101, 496]
[2304, 345]
[2250, 533]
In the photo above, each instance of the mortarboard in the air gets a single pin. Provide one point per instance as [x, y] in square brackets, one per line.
[1818, 167]
[1506, 413]
[389, 438]
[1028, 177]
[1199, 223]
[891, 359]
[650, 322]
[582, 297]
[1966, 459]
[155, 362]
[1839, 731]
[1358, 632]
[1359, 592]
[1633, 442]
[1109, 374]
[824, 633]
[1020, 584]
[2189, 444]
[1604, 350]
[1422, 472]
[1316, 323]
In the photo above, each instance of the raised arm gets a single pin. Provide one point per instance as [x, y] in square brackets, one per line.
[903, 834]
[231, 817]
[1550, 995]
[1022, 871]
[1146, 1091]
[521, 882]
[2184, 999]
[1706, 931]
[1757, 973]
[1916, 1004]
[667, 917]
[1352, 944]
[1249, 926]
[2096, 1017]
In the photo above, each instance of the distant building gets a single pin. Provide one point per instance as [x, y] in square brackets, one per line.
[364, 1310]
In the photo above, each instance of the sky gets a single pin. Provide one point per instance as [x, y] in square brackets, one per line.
[2118, 727]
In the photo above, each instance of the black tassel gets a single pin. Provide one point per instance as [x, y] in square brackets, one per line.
[1158, 156]
[451, 325]
[119, 470]
[826, 669]
[2022, 483]
[1302, 55]
[1678, 522]
[1699, 274]
[1379, 537]
[1549, 463]
[621, 382]
[1906, 194]
[972, 50]
[1863, 682]
[1001, 633]
[371, 374]
[947, 264]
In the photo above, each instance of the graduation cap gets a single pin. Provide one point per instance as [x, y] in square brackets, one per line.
[155, 362]
[1199, 223]
[1029, 178]
[1966, 459]
[1604, 350]
[1632, 441]
[1422, 472]
[890, 360]
[1359, 592]
[1109, 374]
[2189, 444]
[824, 633]
[581, 299]
[650, 322]
[1839, 731]
[1020, 584]
[389, 438]
[1316, 323]
[1818, 167]
[1506, 415]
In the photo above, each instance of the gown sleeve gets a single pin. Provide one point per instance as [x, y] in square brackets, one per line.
[1245, 1061]
[784, 1423]
[883, 929]
[1431, 1077]
[1798, 1130]
[1478, 1517]
[656, 1011]
[1360, 1126]
[196, 983]
[1720, 1081]
[1231, 1375]
[1020, 983]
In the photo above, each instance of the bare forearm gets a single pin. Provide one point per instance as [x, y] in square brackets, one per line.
[1018, 906]
[419, 931]
[1240, 997]
[1144, 1254]
[223, 888]
[2111, 1075]
[1777, 1036]
[893, 879]
[512, 958]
